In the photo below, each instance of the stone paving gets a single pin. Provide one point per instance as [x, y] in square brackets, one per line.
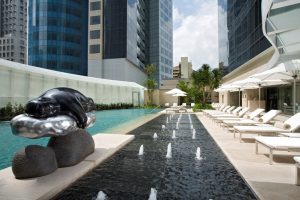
[269, 182]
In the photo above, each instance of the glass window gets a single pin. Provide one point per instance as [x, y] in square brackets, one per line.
[95, 48]
[95, 34]
[95, 20]
[95, 5]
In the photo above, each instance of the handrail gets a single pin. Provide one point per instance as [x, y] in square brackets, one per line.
[154, 109]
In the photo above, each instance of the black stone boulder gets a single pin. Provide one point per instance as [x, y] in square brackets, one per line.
[72, 148]
[34, 161]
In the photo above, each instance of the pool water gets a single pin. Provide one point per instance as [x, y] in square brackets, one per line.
[10, 144]
[126, 175]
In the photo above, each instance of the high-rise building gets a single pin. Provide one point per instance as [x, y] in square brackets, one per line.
[58, 35]
[184, 69]
[240, 33]
[134, 33]
[13, 30]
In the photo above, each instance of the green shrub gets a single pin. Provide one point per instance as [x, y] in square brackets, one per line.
[113, 106]
[200, 106]
[10, 111]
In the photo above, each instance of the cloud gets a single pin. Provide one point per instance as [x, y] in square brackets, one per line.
[196, 34]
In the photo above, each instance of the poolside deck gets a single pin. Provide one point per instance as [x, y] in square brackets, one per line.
[269, 182]
[47, 187]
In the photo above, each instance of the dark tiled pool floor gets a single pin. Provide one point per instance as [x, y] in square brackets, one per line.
[129, 176]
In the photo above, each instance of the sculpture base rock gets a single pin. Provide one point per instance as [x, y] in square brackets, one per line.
[34, 161]
[72, 148]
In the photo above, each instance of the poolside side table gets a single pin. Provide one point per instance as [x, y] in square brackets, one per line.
[297, 159]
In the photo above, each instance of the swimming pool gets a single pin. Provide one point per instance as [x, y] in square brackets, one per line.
[10, 144]
[126, 175]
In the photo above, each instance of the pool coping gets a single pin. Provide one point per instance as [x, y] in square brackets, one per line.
[47, 187]
[267, 181]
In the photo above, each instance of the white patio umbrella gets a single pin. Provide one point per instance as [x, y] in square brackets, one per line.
[179, 95]
[252, 83]
[230, 87]
[289, 70]
[175, 91]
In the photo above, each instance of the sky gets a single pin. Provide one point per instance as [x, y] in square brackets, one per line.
[195, 32]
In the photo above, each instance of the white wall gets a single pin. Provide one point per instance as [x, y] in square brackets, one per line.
[122, 69]
[95, 68]
[19, 83]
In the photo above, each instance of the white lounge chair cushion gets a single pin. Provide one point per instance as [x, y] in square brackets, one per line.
[293, 122]
[259, 129]
[292, 135]
[236, 110]
[255, 113]
[279, 142]
[241, 122]
[270, 115]
[297, 159]
[243, 111]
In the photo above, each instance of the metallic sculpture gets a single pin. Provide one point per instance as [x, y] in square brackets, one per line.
[61, 114]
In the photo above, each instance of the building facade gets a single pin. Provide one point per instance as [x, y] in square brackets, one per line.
[249, 51]
[240, 33]
[58, 35]
[13, 30]
[184, 69]
[135, 33]
[95, 42]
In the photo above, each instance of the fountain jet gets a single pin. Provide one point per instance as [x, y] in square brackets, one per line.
[194, 135]
[154, 135]
[153, 194]
[101, 196]
[174, 135]
[141, 151]
[198, 154]
[169, 151]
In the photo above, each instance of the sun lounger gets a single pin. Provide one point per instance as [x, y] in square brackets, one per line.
[292, 135]
[290, 125]
[277, 144]
[297, 159]
[224, 111]
[234, 115]
[221, 110]
[241, 116]
[266, 118]
[229, 113]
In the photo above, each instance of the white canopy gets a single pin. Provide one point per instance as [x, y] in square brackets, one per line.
[175, 91]
[179, 95]
[284, 71]
[289, 70]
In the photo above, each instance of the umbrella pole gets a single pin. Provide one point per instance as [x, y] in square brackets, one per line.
[259, 96]
[239, 97]
[294, 94]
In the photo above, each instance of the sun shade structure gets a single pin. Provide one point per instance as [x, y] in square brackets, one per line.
[21, 83]
[252, 83]
[175, 91]
[179, 95]
[289, 70]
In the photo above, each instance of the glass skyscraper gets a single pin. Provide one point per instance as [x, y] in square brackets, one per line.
[57, 35]
[13, 30]
[161, 38]
[240, 30]
[140, 31]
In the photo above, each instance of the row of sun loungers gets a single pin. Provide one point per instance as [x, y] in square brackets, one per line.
[242, 123]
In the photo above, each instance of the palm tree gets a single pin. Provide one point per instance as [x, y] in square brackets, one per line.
[202, 78]
[150, 83]
[205, 77]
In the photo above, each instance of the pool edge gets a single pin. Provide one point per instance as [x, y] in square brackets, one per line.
[49, 186]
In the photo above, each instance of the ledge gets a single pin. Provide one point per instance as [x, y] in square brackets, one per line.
[47, 187]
